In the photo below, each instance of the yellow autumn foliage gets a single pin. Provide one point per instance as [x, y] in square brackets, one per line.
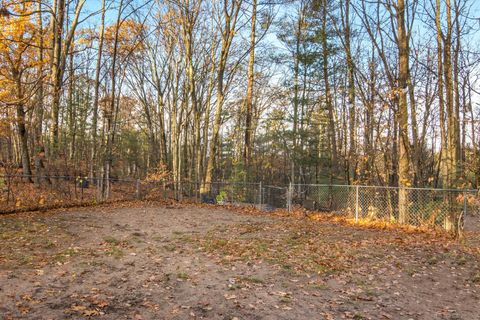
[130, 38]
[19, 42]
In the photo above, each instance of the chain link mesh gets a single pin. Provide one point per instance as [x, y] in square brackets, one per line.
[274, 197]
[452, 210]
[337, 199]
[431, 208]
[22, 192]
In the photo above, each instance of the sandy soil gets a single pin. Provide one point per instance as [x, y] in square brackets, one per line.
[184, 262]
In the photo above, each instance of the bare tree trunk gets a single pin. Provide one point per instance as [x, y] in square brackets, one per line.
[404, 179]
[216, 127]
[230, 16]
[444, 165]
[248, 145]
[352, 154]
[22, 129]
[453, 143]
[56, 73]
[450, 108]
[71, 107]
[456, 88]
[161, 114]
[415, 152]
[110, 115]
[39, 150]
[189, 15]
[206, 121]
[328, 95]
[96, 95]
[61, 48]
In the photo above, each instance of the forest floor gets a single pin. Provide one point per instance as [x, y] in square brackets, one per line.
[139, 261]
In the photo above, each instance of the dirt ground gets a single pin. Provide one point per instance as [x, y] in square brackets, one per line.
[185, 262]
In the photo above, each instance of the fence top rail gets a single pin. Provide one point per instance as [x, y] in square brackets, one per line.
[230, 183]
[386, 187]
[275, 187]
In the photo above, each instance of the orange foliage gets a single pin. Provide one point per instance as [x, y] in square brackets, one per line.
[161, 173]
[19, 41]
[130, 38]
[5, 127]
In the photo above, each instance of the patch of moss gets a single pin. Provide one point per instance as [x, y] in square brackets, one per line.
[115, 252]
[252, 279]
[183, 276]
[112, 240]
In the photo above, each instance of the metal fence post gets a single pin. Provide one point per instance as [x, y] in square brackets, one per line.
[137, 189]
[356, 203]
[464, 215]
[289, 197]
[197, 191]
[260, 195]
[180, 190]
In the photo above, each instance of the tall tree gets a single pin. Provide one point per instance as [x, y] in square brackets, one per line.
[96, 94]
[248, 143]
[404, 178]
[61, 43]
[227, 18]
[18, 60]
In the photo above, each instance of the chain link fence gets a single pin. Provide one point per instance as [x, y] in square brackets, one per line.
[26, 193]
[232, 193]
[274, 197]
[420, 207]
